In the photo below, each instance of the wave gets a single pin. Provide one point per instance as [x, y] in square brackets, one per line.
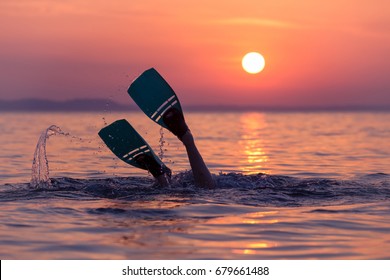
[232, 188]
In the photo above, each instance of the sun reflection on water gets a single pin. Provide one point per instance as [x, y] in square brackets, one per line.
[244, 246]
[256, 157]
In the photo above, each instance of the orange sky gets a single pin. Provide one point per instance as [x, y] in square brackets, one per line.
[318, 53]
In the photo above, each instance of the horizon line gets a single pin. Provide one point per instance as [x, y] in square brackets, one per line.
[100, 104]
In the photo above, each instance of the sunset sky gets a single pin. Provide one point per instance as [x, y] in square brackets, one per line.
[317, 53]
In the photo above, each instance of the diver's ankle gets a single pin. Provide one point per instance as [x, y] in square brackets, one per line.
[163, 180]
[187, 138]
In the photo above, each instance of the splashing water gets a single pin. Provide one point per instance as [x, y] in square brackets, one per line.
[161, 142]
[40, 166]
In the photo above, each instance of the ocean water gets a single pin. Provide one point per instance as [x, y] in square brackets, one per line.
[289, 186]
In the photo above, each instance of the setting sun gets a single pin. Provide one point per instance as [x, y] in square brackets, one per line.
[253, 62]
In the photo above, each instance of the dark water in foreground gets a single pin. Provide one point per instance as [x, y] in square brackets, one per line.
[289, 187]
[247, 217]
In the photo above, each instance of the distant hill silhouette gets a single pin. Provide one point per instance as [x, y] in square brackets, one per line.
[70, 105]
[98, 105]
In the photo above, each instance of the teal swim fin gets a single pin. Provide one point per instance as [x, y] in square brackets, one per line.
[125, 142]
[154, 96]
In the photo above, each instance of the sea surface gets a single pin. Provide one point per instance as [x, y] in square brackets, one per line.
[290, 185]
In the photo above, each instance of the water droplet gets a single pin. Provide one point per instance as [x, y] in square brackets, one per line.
[161, 142]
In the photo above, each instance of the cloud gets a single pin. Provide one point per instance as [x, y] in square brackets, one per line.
[258, 22]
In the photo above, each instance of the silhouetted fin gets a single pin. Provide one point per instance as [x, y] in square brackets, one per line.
[154, 96]
[125, 142]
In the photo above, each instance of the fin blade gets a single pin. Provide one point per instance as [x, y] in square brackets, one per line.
[125, 142]
[153, 95]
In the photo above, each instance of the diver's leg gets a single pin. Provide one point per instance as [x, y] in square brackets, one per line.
[202, 175]
[177, 125]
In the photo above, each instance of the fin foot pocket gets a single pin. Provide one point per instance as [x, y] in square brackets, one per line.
[150, 164]
[175, 122]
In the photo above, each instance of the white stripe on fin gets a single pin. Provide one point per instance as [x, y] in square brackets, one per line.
[140, 153]
[170, 106]
[134, 151]
[172, 99]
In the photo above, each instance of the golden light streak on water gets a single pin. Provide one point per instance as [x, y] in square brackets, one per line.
[252, 125]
